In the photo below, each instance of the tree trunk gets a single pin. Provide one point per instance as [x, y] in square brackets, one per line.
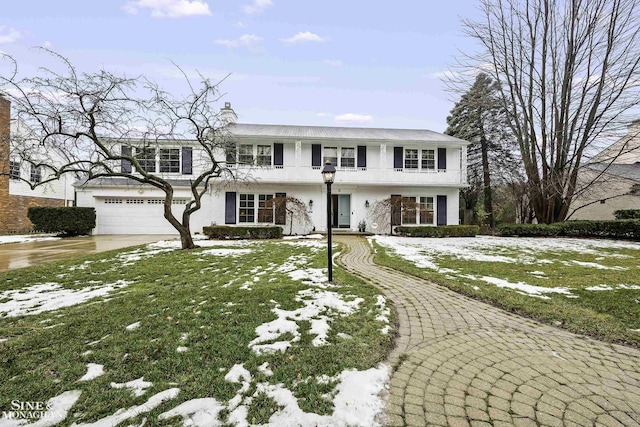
[488, 197]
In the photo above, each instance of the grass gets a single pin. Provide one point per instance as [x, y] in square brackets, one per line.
[608, 315]
[181, 299]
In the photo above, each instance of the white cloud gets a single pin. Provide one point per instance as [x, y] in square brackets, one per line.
[245, 40]
[47, 44]
[9, 35]
[169, 8]
[304, 37]
[321, 114]
[241, 24]
[333, 62]
[257, 6]
[353, 118]
[440, 75]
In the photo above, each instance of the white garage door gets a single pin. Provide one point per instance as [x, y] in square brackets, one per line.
[116, 215]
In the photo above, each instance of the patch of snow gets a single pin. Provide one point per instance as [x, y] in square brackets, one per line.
[51, 296]
[538, 273]
[93, 371]
[264, 368]
[3, 340]
[133, 326]
[25, 239]
[182, 349]
[99, 341]
[599, 288]
[184, 336]
[593, 265]
[125, 414]
[522, 287]
[319, 306]
[86, 353]
[344, 336]
[138, 387]
[196, 412]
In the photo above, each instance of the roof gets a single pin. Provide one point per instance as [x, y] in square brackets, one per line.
[341, 133]
[628, 171]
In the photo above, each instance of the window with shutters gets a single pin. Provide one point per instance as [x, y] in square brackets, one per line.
[330, 156]
[265, 208]
[348, 157]
[428, 160]
[147, 159]
[411, 158]
[425, 210]
[247, 208]
[408, 210]
[170, 160]
[263, 155]
[245, 154]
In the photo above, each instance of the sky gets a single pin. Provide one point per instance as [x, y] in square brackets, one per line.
[296, 62]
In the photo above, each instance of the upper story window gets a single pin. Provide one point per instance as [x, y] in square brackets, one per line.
[348, 157]
[36, 174]
[170, 160]
[147, 159]
[429, 159]
[14, 169]
[330, 155]
[245, 154]
[411, 158]
[263, 155]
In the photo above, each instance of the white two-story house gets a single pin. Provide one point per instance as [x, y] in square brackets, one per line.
[423, 167]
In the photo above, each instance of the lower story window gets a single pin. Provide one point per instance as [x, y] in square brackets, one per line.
[408, 210]
[265, 208]
[425, 210]
[247, 208]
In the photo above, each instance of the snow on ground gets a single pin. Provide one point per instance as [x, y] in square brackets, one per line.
[138, 386]
[25, 238]
[93, 371]
[50, 296]
[133, 326]
[319, 306]
[56, 411]
[424, 253]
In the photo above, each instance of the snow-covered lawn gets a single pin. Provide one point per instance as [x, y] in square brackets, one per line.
[239, 332]
[588, 285]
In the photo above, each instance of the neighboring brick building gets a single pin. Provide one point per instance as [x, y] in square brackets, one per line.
[16, 196]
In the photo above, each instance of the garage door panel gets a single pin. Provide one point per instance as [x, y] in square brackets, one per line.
[133, 216]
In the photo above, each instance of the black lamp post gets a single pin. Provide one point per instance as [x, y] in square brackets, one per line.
[328, 174]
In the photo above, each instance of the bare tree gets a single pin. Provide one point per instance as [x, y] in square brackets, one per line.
[102, 125]
[569, 76]
[390, 211]
[293, 208]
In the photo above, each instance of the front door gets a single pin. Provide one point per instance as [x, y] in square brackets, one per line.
[341, 210]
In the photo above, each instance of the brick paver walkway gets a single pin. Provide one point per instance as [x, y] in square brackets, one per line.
[462, 362]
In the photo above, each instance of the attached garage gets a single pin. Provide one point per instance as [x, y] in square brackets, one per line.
[120, 215]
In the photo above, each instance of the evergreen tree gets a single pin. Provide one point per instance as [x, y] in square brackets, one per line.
[479, 118]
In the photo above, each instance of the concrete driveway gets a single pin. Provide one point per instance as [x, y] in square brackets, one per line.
[19, 255]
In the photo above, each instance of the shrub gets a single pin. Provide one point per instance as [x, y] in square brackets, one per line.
[617, 229]
[442, 231]
[67, 221]
[234, 232]
[529, 230]
[627, 214]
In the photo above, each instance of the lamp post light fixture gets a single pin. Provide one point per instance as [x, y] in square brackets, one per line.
[329, 174]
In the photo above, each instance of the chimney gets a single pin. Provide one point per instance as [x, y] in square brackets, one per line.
[227, 115]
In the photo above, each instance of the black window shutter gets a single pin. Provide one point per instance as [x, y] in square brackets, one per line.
[125, 165]
[397, 157]
[278, 154]
[362, 156]
[281, 211]
[187, 160]
[230, 208]
[442, 158]
[396, 210]
[316, 155]
[442, 210]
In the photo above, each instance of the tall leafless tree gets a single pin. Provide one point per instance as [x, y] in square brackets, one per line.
[96, 123]
[569, 74]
